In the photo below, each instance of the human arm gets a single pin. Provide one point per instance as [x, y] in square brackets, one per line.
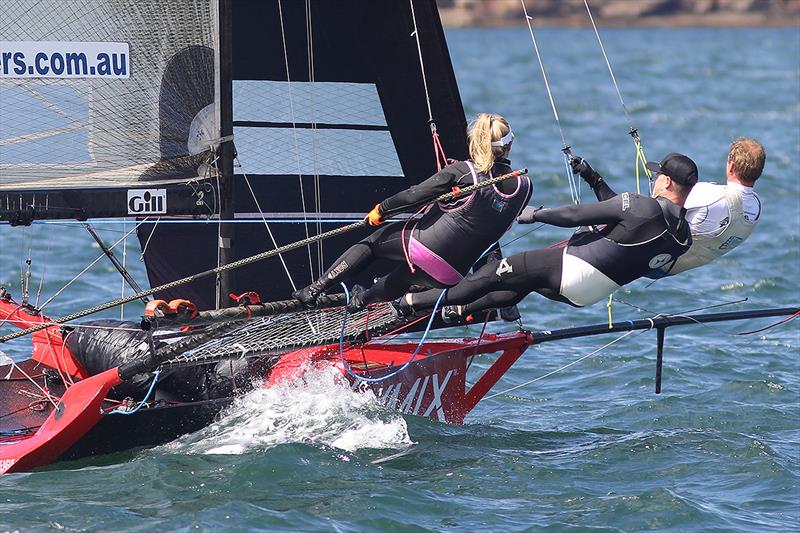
[571, 216]
[601, 189]
[440, 183]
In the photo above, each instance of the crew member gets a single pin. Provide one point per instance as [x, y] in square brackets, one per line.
[722, 216]
[640, 234]
[440, 247]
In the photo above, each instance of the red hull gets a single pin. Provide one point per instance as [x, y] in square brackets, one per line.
[433, 385]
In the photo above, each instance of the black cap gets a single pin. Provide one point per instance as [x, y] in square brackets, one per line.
[678, 167]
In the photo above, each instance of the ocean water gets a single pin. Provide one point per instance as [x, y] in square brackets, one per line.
[591, 447]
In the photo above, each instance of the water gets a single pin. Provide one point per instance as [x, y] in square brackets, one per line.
[591, 447]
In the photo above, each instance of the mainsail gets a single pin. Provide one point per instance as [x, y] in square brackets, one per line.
[331, 103]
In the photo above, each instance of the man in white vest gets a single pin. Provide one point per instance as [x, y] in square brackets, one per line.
[722, 216]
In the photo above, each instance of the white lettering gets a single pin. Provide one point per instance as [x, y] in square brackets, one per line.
[503, 267]
[437, 396]
[6, 464]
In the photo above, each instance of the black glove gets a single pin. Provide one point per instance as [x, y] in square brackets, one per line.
[581, 166]
[528, 215]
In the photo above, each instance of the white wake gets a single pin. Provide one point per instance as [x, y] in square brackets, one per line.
[321, 409]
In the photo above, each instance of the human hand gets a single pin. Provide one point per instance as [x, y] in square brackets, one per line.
[528, 215]
[375, 217]
[581, 166]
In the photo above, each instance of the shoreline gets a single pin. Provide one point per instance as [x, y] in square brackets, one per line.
[457, 18]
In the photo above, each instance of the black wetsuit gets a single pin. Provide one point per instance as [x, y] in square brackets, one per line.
[474, 222]
[640, 233]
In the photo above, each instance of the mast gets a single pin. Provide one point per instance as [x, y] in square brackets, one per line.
[225, 244]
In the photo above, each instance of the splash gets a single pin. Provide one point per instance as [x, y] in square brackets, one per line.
[320, 410]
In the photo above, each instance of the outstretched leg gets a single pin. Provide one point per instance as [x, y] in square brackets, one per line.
[385, 243]
[501, 284]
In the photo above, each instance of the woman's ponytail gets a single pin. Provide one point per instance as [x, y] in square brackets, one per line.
[483, 130]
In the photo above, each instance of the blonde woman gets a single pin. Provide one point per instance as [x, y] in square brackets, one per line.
[438, 249]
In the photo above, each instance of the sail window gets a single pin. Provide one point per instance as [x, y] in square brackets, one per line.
[322, 128]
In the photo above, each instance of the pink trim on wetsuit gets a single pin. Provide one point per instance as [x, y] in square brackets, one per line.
[432, 264]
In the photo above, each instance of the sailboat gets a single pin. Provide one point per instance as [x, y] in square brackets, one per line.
[226, 129]
[237, 134]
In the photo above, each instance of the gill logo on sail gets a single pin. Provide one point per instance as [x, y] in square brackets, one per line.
[147, 201]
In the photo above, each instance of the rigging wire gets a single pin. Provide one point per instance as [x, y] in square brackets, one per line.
[641, 158]
[574, 184]
[557, 370]
[317, 185]
[438, 149]
[90, 265]
[294, 131]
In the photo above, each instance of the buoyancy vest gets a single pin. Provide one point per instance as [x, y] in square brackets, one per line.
[625, 262]
[706, 248]
[454, 234]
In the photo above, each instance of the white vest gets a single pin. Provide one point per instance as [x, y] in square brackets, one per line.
[706, 248]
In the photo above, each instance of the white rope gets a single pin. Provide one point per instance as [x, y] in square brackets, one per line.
[33, 381]
[575, 362]
[294, 130]
[101, 256]
[421, 62]
[218, 278]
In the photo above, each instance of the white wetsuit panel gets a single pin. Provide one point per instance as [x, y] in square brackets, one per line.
[583, 284]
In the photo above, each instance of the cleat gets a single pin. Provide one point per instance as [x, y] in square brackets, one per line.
[308, 296]
[357, 302]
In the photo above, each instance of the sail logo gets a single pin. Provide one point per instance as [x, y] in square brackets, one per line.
[147, 201]
[62, 59]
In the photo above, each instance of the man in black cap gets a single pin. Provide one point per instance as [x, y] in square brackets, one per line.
[619, 239]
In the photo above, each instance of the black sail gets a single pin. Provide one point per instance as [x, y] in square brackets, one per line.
[330, 116]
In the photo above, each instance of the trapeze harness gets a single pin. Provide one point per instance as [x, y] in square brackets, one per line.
[736, 227]
[450, 236]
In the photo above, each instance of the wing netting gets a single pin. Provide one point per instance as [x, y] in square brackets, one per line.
[286, 332]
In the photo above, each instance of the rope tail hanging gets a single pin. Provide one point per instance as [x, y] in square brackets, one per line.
[574, 184]
[641, 159]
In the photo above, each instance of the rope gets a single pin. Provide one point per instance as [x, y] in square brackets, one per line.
[415, 34]
[266, 225]
[406, 364]
[82, 272]
[608, 64]
[144, 400]
[575, 362]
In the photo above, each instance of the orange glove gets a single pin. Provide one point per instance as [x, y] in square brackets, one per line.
[375, 217]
